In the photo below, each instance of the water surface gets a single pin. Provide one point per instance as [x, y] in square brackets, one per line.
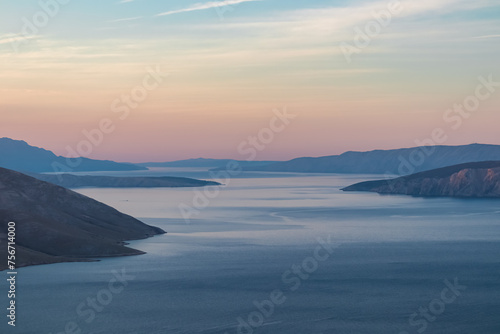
[391, 256]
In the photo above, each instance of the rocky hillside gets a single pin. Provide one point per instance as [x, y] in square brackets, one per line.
[471, 180]
[54, 224]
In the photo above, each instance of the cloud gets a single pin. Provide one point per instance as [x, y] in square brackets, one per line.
[488, 36]
[205, 5]
[15, 39]
[127, 19]
[9, 38]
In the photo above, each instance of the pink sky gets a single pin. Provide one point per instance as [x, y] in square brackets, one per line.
[226, 78]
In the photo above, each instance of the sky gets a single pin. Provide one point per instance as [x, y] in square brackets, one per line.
[355, 75]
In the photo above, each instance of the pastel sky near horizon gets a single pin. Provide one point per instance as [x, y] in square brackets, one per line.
[228, 64]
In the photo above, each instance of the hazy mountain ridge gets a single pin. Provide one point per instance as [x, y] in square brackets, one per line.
[470, 180]
[403, 161]
[20, 156]
[54, 224]
[202, 162]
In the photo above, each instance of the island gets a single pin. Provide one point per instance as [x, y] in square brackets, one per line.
[84, 181]
[469, 180]
[202, 162]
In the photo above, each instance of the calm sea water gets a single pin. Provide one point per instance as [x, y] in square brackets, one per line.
[384, 273]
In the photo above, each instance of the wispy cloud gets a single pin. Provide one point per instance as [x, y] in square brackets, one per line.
[206, 5]
[8, 38]
[127, 19]
[12, 38]
[488, 36]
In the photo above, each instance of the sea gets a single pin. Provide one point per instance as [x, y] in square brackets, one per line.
[276, 253]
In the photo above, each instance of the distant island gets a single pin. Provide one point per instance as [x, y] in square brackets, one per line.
[470, 180]
[404, 161]
[83, 181]
[55, 224]
[22, 157]
[202, 162]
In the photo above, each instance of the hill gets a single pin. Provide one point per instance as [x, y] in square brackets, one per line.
[470, 180]
[19, 155]
[403, 161]
[54, 224]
